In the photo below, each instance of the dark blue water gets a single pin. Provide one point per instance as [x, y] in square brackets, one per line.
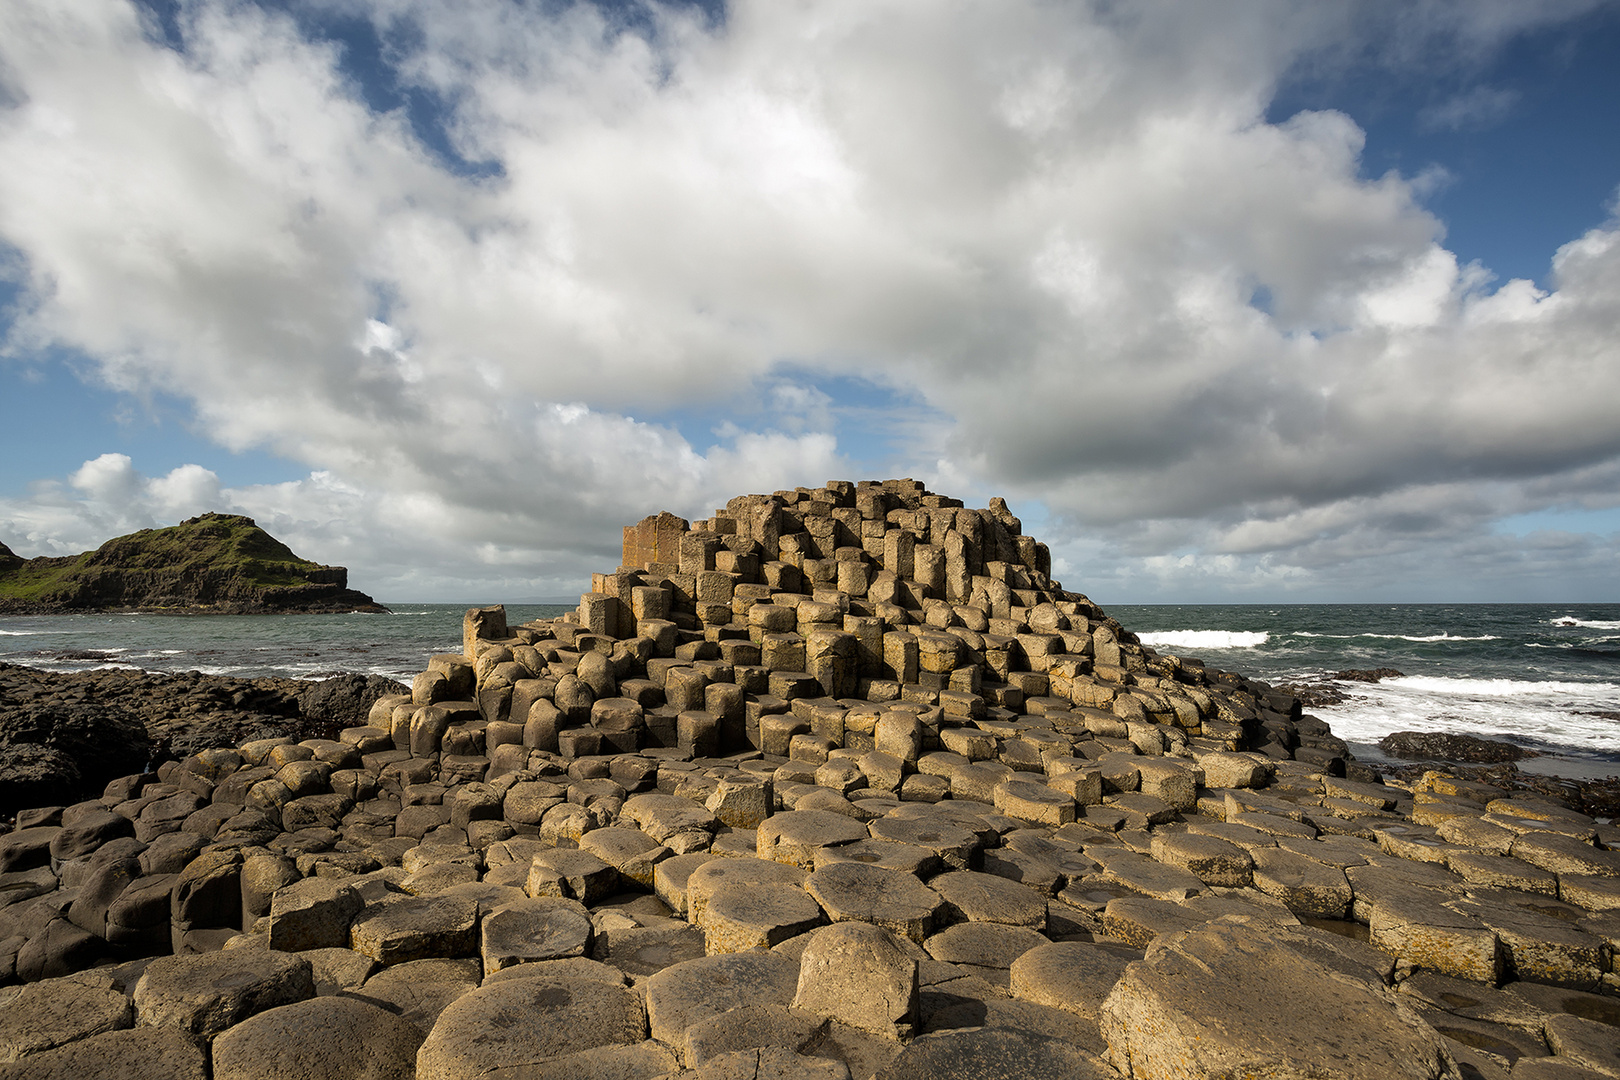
[292, 646]
[1538, 674]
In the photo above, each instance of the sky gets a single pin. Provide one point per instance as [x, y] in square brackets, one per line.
[1252, 301]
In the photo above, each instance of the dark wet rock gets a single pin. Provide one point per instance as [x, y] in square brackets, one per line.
[65, 736]
[1443, 746]
[1368, 676]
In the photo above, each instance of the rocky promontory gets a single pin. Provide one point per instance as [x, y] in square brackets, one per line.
[220, 564]
[837, 784]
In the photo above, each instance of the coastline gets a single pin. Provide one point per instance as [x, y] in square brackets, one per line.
[63, 735]
[1011, 825]
[29, 609]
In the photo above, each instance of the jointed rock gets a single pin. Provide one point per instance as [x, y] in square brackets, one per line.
[838, 782]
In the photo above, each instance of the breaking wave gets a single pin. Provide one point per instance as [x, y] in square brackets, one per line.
[1587, 624]
[1205, 639]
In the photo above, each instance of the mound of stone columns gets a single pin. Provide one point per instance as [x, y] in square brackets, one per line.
[838, 783]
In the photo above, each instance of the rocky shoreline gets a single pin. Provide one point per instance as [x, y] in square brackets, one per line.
[64, 735]
[835, 784]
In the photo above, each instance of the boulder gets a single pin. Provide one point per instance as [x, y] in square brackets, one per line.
[48, 1014]
[751, 1027]
[1075, 976]
[863, 892]
[402, 929]
[513, 1024]
[662, 816]
[644, 950]
[143, 1053]
[711, 875]
[206, 993]
[974, 897]
[421, 989]
[684, 994]
[324, 1038]
[573, 874]
[795, 836]
[774, 1062]
[740, 917]
[859, 974]
[313, 913]
[990, 947]
[1226, 1000]
[531, 931]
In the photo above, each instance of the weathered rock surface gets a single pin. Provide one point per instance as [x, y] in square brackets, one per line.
[858, 973]
[1224, 1000]
[330, 1038]
[819, 729]
[511, 1025]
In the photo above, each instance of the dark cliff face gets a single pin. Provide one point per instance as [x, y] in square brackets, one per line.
[220, 563]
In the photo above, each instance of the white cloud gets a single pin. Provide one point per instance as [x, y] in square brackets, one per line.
[105, 497]
[1477, 107]
[1043, 224]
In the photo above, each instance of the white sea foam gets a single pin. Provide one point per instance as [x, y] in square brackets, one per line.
[1399, 637]
[1546, 712]
[1497, 688]
[1587, 624]
[1205, 639]
[35, 633]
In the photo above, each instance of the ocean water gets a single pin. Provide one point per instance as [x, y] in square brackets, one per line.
[1537, 675]
[290, 646]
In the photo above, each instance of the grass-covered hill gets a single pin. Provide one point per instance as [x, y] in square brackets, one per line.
[220, 563]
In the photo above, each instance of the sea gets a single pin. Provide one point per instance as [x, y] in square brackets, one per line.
[1546, 677]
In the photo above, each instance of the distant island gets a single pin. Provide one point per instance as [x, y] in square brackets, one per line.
[216, 564]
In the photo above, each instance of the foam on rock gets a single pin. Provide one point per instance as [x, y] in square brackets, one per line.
[854, 719]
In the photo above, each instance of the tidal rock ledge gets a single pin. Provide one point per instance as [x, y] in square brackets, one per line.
[837, 783]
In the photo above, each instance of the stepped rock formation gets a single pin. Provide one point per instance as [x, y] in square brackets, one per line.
[221, 564]
[838, 783]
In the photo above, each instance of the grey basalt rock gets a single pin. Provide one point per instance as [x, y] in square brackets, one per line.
[711, 875]
[533, 930]
[143, 1053]
[1088, 790]
[1225, 1000]
[973, 897]
[859, 974]
[1075, 976]
[54, 1012]
[313, 913]
[510, 1025]
[399, 930]
[422, 989]
[795, 836]
[204, 994]
[741, 917]
[326, 1038]
[861, 892]
[751, 1027]
[684, 994]
[983, 1053]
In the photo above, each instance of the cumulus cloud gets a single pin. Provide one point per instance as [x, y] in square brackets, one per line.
[1048, 226]
[104, 497]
